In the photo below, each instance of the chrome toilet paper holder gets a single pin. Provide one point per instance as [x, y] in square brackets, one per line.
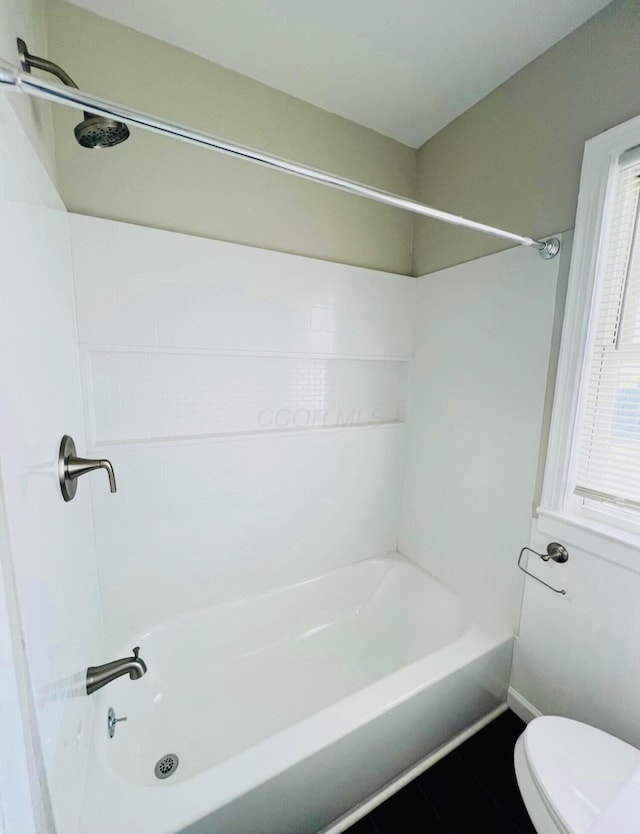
[556, 552]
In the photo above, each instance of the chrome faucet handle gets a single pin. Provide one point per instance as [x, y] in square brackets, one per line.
[136, 651]
[71, 467]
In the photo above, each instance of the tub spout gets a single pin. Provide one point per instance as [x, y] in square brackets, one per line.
[99, 676]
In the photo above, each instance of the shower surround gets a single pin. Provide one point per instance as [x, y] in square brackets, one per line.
[256, 408]
[253, 405]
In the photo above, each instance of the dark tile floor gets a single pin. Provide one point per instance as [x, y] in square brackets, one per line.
[471, 791]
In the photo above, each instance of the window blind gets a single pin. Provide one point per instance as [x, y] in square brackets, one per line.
[608, 462]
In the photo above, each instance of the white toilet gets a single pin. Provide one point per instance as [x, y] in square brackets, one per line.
[570, 773]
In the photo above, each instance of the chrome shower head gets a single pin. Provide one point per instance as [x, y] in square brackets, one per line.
[100, 132]
[94, 131]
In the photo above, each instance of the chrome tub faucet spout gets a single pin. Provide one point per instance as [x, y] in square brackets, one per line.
[99, 676]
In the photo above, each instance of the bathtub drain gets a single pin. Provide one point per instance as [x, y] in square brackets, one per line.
[166, 766]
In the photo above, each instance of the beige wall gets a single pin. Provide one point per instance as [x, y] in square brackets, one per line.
[25, 19]
[513, 160]
[158, 182]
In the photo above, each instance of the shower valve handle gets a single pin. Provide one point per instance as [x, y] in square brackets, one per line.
[71, 467]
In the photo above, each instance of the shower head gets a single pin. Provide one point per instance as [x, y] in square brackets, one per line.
[100, 132]
[94, 131]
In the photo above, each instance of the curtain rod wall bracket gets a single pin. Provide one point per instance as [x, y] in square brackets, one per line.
[20, 81]
[550, 248]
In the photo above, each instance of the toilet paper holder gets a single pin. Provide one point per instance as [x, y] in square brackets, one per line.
[556, 552]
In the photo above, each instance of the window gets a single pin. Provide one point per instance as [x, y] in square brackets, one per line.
[593, 465]
[608, 436]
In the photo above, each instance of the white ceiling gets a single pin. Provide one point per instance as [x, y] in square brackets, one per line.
[405, 68]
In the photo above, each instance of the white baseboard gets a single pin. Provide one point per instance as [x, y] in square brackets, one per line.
[522, 708]
[352, 817]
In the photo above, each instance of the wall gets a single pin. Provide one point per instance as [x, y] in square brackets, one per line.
[26, 19]
[22, 806]
[483, 335]
[253, 410]
[155, 182]
[513, 160]
[579, 654]
[48, 552]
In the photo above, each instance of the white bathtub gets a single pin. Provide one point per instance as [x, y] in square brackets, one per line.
[290, 709]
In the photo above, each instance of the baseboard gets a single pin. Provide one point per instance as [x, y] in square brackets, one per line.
[360, 811]
[522, 708]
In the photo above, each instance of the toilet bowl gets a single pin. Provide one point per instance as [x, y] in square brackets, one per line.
[568, 773]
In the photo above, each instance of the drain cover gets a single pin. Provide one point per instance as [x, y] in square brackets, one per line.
[166, 766]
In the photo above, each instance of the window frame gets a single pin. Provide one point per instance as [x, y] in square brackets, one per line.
[600, 160]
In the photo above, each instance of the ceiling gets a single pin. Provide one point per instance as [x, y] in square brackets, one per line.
[405, 68]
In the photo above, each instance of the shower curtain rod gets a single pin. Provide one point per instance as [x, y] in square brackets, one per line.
[14, 79]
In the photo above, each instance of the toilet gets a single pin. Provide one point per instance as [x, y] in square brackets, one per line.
[571, 774]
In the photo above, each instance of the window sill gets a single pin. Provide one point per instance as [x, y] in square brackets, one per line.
[619, 547]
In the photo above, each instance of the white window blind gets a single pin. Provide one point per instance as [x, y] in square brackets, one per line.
[608, 444]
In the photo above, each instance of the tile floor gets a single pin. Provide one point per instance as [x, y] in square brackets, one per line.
[473, 790]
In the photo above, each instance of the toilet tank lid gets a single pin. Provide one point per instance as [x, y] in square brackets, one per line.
[578, 769]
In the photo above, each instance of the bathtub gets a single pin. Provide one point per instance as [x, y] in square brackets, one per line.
[292, 712]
